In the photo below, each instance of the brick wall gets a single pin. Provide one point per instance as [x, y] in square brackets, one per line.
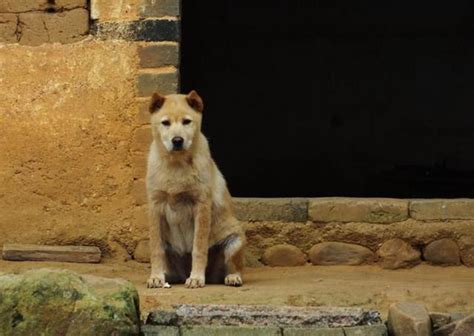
[34, 22]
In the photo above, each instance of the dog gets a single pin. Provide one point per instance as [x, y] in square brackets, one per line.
[194, 237]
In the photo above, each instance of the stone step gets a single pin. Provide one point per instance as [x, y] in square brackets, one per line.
[263, 320]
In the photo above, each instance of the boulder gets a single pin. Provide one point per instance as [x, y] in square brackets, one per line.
[60, 302]
[395, 253]
[442, 252]
[142, 251]
[335, 253]
[284, 255]
[463, 327]
[408, 319]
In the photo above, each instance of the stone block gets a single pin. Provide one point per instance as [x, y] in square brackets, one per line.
[442, 209]
[313, 332]
[19, 6]
[159, 8]
[369, 210]
[158, 55]
[271, 209]
[8, 28]
[163, 82]
[64, 27]
[373, 330]
[229, 331]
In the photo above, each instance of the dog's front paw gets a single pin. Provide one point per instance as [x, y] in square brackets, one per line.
[157, 282]
[195, 282]
[233, 280]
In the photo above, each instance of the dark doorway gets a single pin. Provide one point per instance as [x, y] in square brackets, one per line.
[335, 98]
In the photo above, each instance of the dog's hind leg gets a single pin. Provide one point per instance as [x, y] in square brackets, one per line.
[234, 260]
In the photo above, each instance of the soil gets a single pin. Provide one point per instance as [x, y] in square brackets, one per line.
[442, 289]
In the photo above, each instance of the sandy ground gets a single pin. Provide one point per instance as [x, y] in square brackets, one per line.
[446, 289]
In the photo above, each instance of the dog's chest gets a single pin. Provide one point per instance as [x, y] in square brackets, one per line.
[180, 222]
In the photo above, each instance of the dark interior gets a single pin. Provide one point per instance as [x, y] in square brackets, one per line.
[335, 98]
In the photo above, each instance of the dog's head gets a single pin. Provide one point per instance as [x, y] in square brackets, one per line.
[176, 119]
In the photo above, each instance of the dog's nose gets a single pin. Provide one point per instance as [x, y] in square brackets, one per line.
[177, 142]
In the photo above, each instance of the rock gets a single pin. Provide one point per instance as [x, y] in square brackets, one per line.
[284, 255]
[395, 253]
[408, 319]
[271, 209]
[142, 251]
[467, 256]
[367, 210]
[439, 320]
[442, 252]
[463, 327]
[313, 332]
[335, 253]
[60, 302]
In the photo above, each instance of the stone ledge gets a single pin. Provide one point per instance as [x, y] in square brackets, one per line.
[367, 210]
[271, 209]
[280, 316]
[443, 209]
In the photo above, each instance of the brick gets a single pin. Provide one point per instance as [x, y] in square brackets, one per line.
[141, 30]
[271, 209]
[143, 115]
[159, 8]
[406, 319]
[152, 330]
[65, 27]
[8, 26]
[313, 332]
[138, 192]
[141, 139]
[154, 56]
[368, 210]
[139, 163]
[165, 83]
[373, 330]
[230, 331]
[18, 6]
[442, 209]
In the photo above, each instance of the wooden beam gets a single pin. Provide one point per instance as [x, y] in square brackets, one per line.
[29, 252]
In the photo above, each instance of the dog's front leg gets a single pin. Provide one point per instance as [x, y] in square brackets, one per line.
[202, 227]
[157, 251]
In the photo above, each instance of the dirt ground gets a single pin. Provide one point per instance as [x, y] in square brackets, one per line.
[445, 289]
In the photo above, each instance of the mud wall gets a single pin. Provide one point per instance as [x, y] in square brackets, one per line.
[73, 119]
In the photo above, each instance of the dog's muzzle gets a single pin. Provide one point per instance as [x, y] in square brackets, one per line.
[177, 143]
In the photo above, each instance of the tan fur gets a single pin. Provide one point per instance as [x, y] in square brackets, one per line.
[190, 205]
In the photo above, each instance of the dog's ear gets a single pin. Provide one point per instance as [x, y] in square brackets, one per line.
[195, 101]
[156, 102]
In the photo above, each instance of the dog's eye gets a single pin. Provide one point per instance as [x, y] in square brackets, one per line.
[186, 121]
[165, 123]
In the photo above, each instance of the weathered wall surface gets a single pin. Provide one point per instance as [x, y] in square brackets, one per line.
[67, 115]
